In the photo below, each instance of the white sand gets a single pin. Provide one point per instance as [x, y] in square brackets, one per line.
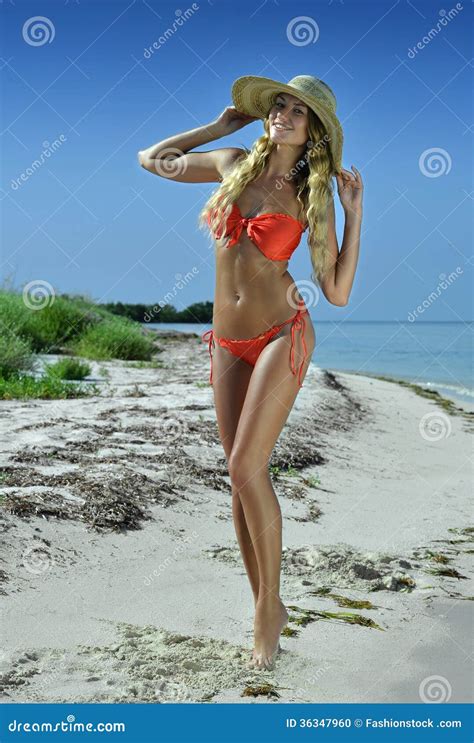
[164, 612]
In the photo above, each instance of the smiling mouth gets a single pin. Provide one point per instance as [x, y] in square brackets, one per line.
[281, 128]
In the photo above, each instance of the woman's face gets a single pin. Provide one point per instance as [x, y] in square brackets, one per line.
[288, 120]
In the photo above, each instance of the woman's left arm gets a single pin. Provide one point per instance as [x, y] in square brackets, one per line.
[337, 284]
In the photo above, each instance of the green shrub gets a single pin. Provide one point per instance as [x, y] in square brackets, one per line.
[68, 368]
[28, 388]
[114, 339]
[15, 354]
[71, 324]
[51, 327]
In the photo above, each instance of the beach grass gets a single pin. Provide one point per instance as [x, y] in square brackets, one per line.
[68, 368]
[75, 326]
[22, 387]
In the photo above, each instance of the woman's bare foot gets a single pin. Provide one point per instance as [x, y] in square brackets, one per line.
[270, 618]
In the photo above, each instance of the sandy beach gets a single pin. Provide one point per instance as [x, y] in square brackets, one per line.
[120, 573]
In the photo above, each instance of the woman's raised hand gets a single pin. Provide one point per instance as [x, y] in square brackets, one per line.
[230, 120]
[350, 189]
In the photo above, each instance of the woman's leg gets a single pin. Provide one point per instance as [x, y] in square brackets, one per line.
[269, 398]
[231, 377]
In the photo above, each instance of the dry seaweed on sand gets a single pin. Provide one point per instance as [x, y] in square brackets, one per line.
[3, 579]
[109, 507]
[332, 382]
[21, 477]
[446, 572]
[266, 690]
[343, 601]
[467, 531]
[45, 504]
[312, 615]
[428, 554]
[439, 557]
[295, 451]
[407, 583]
[289, 632]
[182, 462]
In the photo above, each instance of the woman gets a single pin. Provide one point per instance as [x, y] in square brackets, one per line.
[262, 337]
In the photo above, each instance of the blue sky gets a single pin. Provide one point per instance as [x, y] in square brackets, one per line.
[88, 219]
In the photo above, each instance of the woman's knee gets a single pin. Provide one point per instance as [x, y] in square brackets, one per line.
[245, 467]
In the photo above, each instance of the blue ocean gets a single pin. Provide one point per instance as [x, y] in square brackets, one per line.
[437, 355]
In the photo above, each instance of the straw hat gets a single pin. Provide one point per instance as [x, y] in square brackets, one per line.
[253, 95]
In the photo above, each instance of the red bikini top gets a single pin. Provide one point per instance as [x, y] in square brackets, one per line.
[277, 235]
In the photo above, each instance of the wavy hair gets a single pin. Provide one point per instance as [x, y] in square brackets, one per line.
[311, 176]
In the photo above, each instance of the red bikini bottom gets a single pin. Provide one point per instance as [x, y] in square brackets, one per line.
[249, 349]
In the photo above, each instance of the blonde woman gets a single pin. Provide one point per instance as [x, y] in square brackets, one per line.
[262, 336]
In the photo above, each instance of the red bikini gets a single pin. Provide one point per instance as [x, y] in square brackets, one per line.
[281, 232]
[276, 235]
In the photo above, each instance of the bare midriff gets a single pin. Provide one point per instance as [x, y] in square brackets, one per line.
[252, 292]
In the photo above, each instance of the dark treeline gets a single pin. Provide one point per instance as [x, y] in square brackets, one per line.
[200, 312]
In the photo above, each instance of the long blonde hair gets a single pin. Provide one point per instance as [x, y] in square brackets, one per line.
[314, 190]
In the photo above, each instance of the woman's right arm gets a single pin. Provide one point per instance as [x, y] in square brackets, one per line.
[171, 158]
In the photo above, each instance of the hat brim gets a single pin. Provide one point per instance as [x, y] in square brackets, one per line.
[253, 95]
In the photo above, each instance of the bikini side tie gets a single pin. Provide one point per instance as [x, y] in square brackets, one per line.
[209, 335]
[298, 324]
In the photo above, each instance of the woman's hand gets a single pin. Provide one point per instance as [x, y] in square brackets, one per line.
[350, 190]
[230, 120]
